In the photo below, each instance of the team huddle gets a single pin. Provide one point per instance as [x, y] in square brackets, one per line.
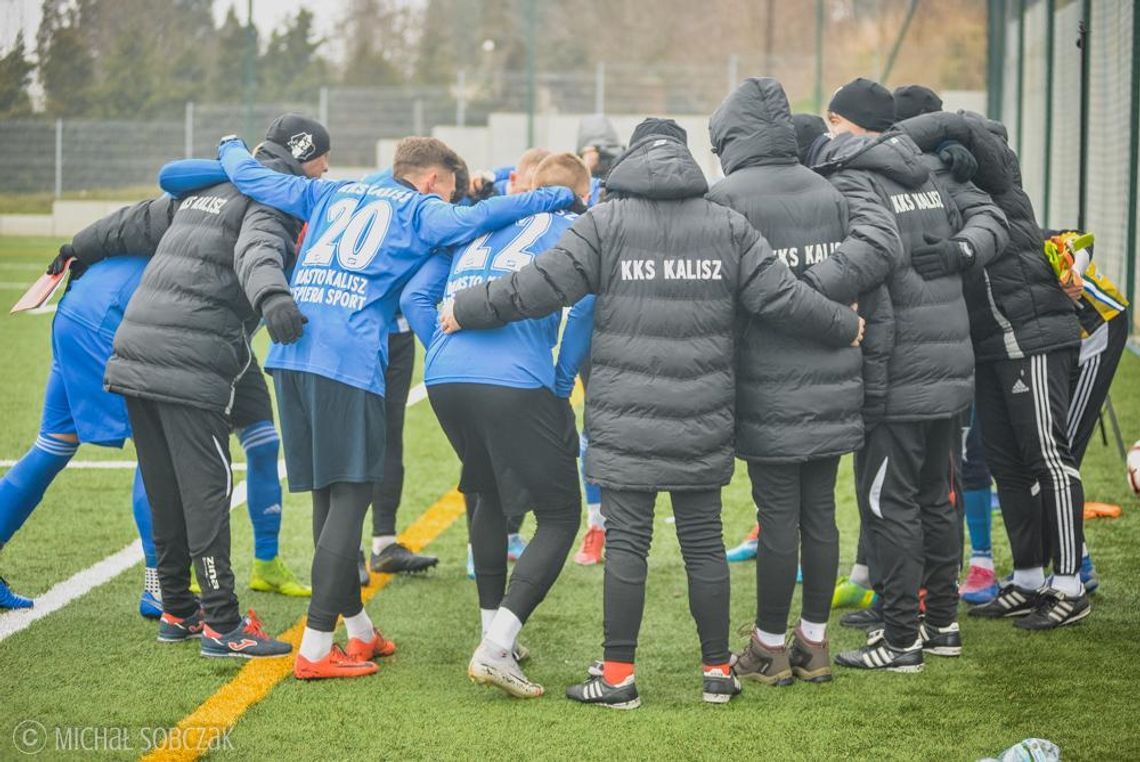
[874, 283]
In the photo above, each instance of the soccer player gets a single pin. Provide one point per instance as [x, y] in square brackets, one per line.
[599, 146]
[494, 393]
[669, 270]
[363, 244]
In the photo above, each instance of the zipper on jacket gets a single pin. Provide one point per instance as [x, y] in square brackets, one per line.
[1008, 336]
[248, 362]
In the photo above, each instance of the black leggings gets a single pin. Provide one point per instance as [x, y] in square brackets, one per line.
[537, 568]
[629, 532]
[338, 519]
[795, 506]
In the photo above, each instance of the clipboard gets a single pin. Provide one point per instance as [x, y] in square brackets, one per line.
[42, 290]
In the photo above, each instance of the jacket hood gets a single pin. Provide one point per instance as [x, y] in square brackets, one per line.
[894, 156]
[597, 130]
[276, 156]
[657, 167]
[754, 126]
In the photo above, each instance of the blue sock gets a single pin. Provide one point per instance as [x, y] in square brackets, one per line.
[261, 445]
[23, 487]
[979, 520]
[593, 491]
[141, 507]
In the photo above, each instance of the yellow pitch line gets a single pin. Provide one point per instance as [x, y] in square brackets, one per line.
[258, 677]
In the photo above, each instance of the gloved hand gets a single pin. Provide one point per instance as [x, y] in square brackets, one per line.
[230, 139]
[283, 319]
[940, 257]
[963, 166]
[66, 252]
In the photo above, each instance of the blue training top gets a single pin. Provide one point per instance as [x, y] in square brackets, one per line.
[98, 299]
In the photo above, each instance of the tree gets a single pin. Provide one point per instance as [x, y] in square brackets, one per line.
[291, 68]
[381, 44]
[228, 75]
[65, 61]
[15, 75]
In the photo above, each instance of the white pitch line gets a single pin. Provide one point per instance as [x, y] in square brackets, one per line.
[102, 572]
[99, 573]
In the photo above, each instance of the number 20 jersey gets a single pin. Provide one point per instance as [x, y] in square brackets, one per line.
[361, 247]
[518, 355]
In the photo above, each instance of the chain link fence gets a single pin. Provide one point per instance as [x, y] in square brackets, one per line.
[1040, 104]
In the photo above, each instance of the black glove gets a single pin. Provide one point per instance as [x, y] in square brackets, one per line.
[283, 320]
[230, 139]
[963, 166]
[940, 257]
[66, 252]
[579, 207]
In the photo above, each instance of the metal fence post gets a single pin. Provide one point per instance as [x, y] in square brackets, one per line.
[418, 116]
[1020, 72]
[58, 158]
[189, 129]
[733, 72]
[323, 107]
[1133, 170]
[1050, 30]
[461, 98]
[600, 88]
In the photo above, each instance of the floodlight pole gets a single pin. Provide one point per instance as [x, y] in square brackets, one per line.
[247, 69]
[531, 31]
[818, 55]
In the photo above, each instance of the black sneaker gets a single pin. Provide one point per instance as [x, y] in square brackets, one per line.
[720, 686]
[362, 571]
[398, 559]
[1055, 609]
[941, 641]
[1011, 600]
[863, 619]
[597, 691]
[879, 654]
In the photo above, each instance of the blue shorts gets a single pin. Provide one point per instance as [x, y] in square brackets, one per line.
[74, 400]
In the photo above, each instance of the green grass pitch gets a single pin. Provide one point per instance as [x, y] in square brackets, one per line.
[95, 662]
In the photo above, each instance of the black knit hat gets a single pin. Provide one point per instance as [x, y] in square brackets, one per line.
[808, 128]
[912, 100]
[304, 138]
[657, 126]
[866, 103]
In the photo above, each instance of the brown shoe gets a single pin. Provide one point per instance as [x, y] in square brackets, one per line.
[762, 664]
[810, 661]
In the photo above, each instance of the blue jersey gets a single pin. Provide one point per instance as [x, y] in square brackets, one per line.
[363, 244]
[517, 355]
[98, 299]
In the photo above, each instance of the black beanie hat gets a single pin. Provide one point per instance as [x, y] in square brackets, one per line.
[912, 100]
[866, 103]
[808, 128]
[304, 138]
[657, 126]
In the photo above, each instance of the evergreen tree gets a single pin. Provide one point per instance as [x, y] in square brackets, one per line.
[15, 75]
[65, 61]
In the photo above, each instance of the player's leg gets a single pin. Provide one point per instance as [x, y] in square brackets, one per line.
[489, 551]
[776, 494]
[594, 541]
[516, 543]
[23, 486]
[701, 537]
[388, 555]
[629, 532]
[150, 603]
[855, 590]
[981, 584]
[942, 542]
[819, 558]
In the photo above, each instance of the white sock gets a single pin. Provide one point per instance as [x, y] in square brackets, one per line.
[1029, 579]
[486, 616]
[382, 541]
[359, 626]
[1069, 584]
[769, 639]
[860, 575]
[315, 644]
[984, 562]
[504, 629]
[816, 633]
[594, 516]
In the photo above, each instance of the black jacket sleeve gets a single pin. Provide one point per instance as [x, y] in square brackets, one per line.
[133, 230]
[265, 248]
[557, 278]
[769, 290]
[870, 252]
[878, 341]
[984, 227]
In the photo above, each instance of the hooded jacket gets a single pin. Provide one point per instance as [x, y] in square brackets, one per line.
[185, 334]
[669, 269]
[796, 399]
[1017, 307]
[930, 374]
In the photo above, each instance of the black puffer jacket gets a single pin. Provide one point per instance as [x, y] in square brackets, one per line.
[796, 399]
[931, 370]
[669, 269]
[185, 333]
[1017, 307]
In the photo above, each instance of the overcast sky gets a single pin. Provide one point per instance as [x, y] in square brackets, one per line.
[267, 14]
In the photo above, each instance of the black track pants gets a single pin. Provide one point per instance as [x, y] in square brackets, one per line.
[397, 383]
[338, 518]
[1090, 383]
[629, 532]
